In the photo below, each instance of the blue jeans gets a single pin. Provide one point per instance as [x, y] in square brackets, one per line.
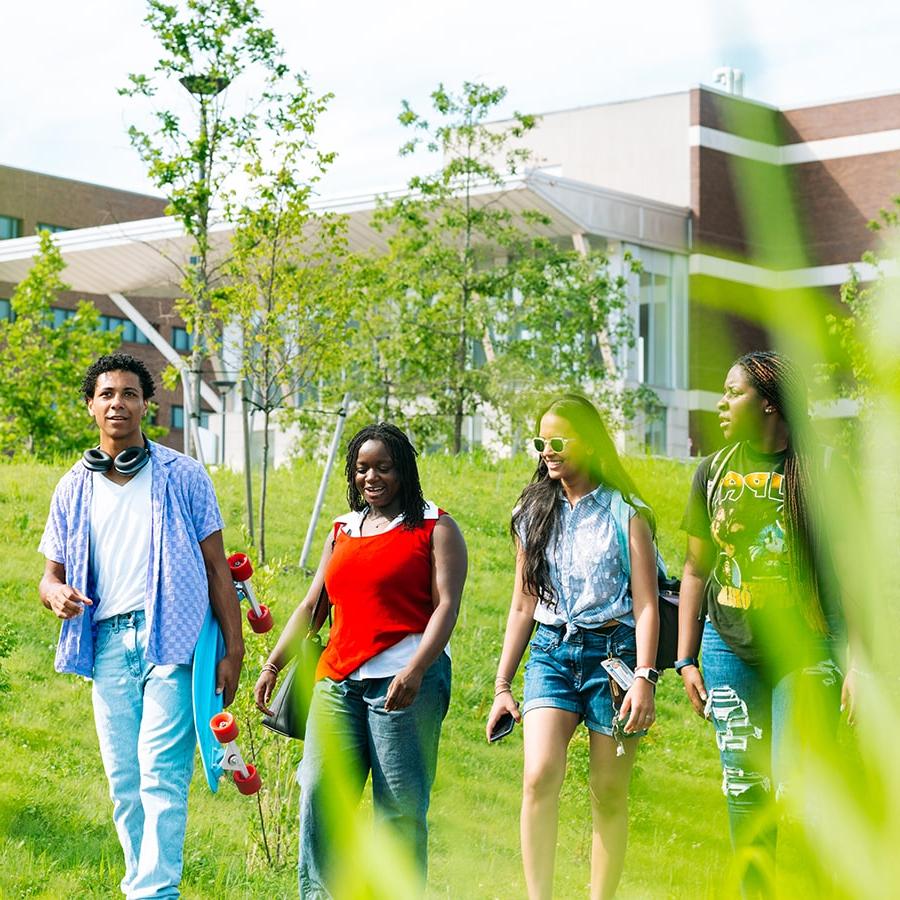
[756, 728]
[348, 735]
[145, 725]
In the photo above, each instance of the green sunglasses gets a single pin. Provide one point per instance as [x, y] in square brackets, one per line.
[556, 444]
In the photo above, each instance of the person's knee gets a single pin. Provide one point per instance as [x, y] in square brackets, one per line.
[542, 778]
[609, 793]
[745, 788]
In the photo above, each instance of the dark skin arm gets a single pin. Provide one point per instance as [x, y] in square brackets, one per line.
[61, 598]
[697, 566]
[227, 610]
[294, 630]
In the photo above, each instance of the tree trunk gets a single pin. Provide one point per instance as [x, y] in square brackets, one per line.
[263, 486]
[457, 425]
[248, 469]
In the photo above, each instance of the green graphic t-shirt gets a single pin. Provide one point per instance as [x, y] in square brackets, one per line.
[748, 584]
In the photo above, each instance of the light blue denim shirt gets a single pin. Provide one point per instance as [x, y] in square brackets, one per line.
[585, 563]
[184, 512]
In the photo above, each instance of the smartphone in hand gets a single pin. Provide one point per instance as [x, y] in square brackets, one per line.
[504, 726]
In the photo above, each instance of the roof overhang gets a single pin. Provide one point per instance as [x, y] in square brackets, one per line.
[150, 255]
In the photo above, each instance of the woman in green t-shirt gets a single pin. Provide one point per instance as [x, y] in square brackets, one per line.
[772, 618]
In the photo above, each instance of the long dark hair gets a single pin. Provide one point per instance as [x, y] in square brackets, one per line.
[537, 512]
[779, 381]
[404, 456]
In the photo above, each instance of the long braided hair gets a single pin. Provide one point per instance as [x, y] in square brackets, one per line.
[779, 381]
[404, 456]
[537, 511]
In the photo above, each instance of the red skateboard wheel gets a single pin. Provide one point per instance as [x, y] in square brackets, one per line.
[224, 727]
[251, 784]
[261, 623]
[241, 570]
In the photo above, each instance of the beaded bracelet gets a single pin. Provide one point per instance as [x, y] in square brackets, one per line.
[270, 667]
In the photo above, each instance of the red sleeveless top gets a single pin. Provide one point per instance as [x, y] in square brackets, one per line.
[380, 586]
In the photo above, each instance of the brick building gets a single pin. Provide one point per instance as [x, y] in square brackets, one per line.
[32, 201]
[662, 178]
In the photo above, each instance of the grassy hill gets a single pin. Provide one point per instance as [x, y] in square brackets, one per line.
[56, 835]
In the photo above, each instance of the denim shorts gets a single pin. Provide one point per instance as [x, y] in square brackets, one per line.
[566, 674]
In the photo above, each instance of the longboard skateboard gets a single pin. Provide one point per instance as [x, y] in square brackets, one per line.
[207, 703]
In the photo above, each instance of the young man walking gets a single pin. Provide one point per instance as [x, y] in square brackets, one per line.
[134, 557]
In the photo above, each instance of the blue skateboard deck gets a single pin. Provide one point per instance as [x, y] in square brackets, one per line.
[209, 650]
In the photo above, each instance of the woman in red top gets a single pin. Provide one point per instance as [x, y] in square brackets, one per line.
[394, 568]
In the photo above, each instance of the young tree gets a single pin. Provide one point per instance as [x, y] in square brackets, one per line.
[854, 330]
[42, 411]
[207, 46]
[283, 294]
[470, 308]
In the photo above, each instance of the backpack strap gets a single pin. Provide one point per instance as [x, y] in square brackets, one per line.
[621, 513]
[719, 461]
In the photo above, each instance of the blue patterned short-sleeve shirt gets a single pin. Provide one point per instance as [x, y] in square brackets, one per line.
[585, 565]
[184, 513]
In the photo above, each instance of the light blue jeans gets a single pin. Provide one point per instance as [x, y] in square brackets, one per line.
[145, 724]
[755, 723]
[348, 735]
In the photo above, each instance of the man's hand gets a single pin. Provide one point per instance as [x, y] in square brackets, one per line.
[228, 673]
[67, 602]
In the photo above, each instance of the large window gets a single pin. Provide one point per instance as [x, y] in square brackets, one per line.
[60, 315]
[182, 340]
[10, 227]
[661, 294]
[130, 332]
[178, 417]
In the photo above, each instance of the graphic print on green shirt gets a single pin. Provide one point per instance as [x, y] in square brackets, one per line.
[749, 579]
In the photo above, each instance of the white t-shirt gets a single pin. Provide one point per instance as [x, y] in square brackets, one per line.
[389, 662]
[120, 542]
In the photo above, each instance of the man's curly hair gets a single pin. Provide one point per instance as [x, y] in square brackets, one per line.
[117, 362]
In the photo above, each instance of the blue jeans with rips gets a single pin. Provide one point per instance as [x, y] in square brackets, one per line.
[754, 716]
[350, 734]
[145, 725]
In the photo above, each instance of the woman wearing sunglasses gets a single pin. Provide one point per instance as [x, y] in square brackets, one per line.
[571, 581]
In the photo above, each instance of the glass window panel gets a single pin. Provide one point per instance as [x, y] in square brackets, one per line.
[181, 340]
[6, 309]
[10, 227]
[178, 417]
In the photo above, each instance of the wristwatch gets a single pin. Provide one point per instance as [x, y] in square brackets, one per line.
[652, 675]
[684, 662]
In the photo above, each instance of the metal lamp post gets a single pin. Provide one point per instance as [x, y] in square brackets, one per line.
[224, 387]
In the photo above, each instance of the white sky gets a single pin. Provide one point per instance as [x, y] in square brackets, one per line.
[62, 61]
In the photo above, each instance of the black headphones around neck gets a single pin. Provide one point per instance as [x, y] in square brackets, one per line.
[129, 462]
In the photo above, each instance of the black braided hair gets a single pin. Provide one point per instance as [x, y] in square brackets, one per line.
[538, 507]
[403, 455]
[779, 381]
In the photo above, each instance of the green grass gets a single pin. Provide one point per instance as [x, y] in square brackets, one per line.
[56, 834]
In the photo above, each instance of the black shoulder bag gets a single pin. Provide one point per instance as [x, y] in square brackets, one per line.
[290, 706]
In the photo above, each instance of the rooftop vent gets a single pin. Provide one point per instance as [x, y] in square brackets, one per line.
[729, 80]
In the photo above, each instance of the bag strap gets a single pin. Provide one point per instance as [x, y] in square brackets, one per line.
[620, 507]
[719, 461]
